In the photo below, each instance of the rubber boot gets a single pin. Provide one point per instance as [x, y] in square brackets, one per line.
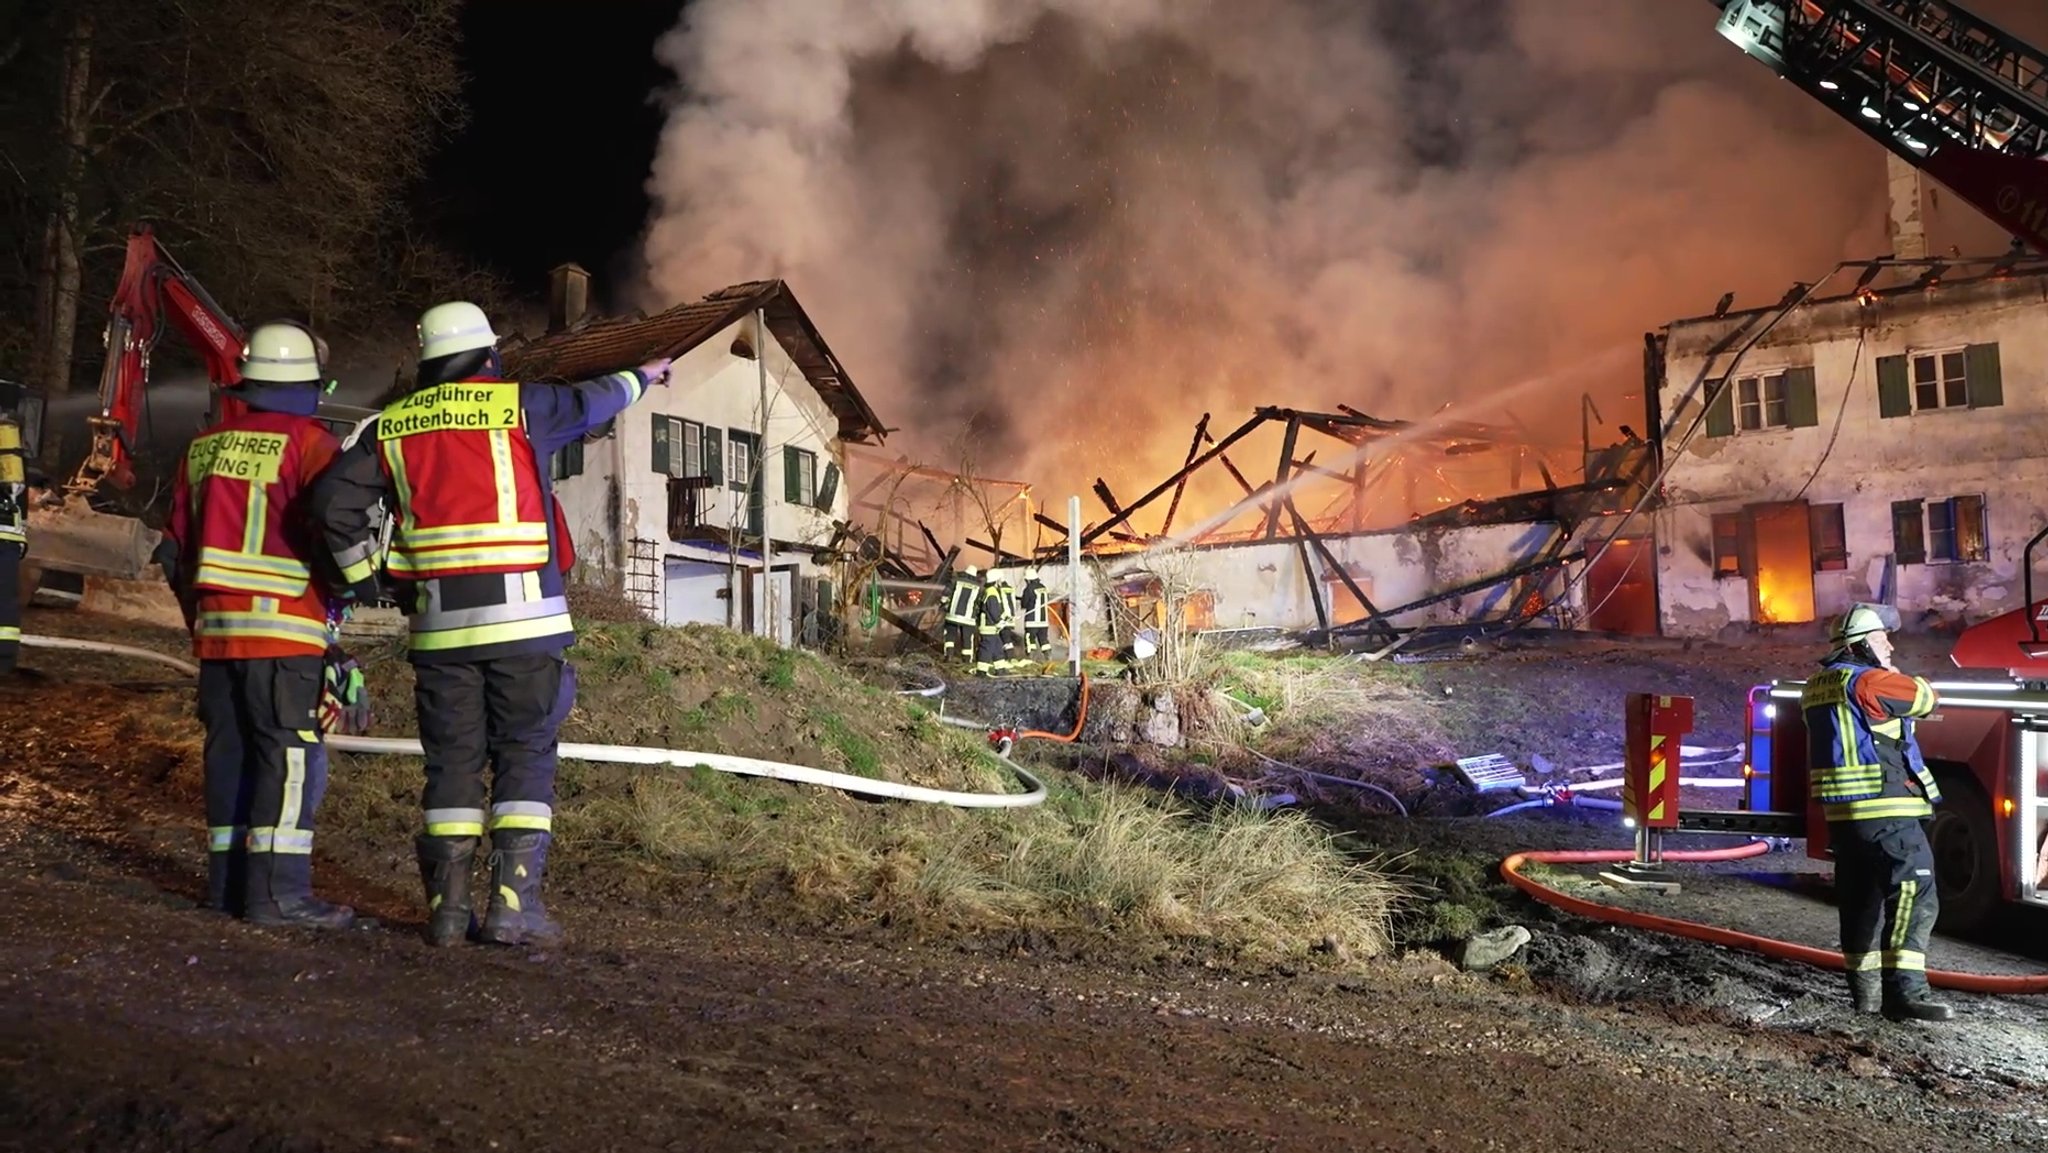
[518, 864]
[446, 867]
[279, 891]
[1866, 992]
[226, 877]
[1914, 1006]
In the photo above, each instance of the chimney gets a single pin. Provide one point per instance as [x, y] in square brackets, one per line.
[568, 296]
[1906, 221]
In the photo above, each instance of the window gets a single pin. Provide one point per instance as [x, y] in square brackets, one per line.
[1760, 402]
[1782, 398]
[1941, 378]
[739, 464]
[1728, 558]
[1950, 531]
[1830, 537]
[684, 448]
[567, 461]
[800, 477]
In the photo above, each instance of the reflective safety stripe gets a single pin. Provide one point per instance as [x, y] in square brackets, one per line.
[490, 634]
[416, 563]
[1877, 808]
[455, 822]
[260, 625]
[10, 632]
[286, 836]
[358, 563]
[222, 838]
[522, 815]
[1905, 960]
[1860, 962]
[12, 532]
[291, 842]
[250, 573]
[419, 427]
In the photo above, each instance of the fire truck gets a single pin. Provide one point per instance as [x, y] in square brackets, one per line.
[1966, 103]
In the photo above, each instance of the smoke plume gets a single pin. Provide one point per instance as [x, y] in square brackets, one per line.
[1077, 224]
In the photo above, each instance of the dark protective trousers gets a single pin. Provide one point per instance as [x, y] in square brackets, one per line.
[266, 769]
[10, 606]
[1039, 638]
[1884, 884]
[960, 639]
[502, 714]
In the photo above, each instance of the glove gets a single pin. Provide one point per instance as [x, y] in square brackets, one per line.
[656, 371]
[344, 698]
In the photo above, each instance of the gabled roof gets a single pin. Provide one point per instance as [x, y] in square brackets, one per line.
[611, 344]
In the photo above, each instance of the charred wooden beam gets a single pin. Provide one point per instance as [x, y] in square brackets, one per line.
[1108, 499]
[1473, 586]
[910, 630]
[1166, 486]
[1180, 486]
[1315, 586]
[932, 540]
[1280, 474]
[1374, 619]
[1002, 556]
[1048, 522]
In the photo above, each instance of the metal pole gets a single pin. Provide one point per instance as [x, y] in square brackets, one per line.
[760, 477]
[1074, 585]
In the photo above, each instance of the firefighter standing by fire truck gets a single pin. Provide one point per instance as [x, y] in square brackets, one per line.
[237, 550]
[13, 538]
[477, 555]
[1875, 791]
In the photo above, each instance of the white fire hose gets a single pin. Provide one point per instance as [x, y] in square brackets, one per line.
[643, 755]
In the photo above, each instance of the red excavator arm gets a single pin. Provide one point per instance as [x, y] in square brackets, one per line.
[153, 287]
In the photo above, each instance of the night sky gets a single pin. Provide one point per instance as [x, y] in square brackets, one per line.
[553, 163]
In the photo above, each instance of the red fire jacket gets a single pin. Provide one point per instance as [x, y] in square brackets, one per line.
[242, 540]
[469, 495]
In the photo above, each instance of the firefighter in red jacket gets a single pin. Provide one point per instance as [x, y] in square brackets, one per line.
[476, 557]
[237, 551]
[1874, 790]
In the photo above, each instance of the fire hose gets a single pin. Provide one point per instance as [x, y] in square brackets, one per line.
[680, 758]
[1511, 871]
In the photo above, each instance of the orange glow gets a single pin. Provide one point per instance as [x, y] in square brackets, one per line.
[2007, 808]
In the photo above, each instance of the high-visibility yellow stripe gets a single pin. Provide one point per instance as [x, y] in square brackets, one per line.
[457, 534]
[492, 634]
[10, 632]
[404, 564]
[227, 625]
[1860, 962]
[502, 476]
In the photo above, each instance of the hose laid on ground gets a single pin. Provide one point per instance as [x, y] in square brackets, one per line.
[1336, 780]
[1511, 871]
[642, 755]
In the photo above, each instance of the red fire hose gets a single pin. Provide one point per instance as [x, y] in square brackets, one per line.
[1511, 870]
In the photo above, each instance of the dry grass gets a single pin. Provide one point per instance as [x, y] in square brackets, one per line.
[1117, 870]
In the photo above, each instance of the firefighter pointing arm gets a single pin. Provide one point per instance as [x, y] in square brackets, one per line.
[476, 557]
[1875, 791]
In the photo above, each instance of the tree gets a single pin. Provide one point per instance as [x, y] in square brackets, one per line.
[272, 145]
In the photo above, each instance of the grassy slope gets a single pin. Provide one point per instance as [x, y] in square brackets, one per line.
[1097, 867]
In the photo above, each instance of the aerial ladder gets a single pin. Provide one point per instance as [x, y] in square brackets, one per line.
[1943, 89]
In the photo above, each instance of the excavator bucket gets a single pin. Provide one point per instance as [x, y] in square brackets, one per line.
[75, 537]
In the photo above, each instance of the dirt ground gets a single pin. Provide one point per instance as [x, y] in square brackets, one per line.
[131, 1021]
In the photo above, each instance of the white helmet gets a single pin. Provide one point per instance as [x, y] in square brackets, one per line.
[1031, 574]
[282, 353]
[1863, 619]
[457, 326]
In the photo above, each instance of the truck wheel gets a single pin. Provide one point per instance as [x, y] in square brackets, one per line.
[1965, 844]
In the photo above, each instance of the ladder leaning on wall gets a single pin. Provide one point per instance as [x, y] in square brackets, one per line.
[643, 576]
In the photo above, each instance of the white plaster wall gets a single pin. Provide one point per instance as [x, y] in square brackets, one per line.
[711, 386]
[1263, 585]
[1999, 452]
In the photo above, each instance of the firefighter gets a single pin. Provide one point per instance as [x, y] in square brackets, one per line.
[988, 630]
[1035, 606]
[476, 557]
[238, 552]
[1875, 791]
[13, 539]
[961, 592]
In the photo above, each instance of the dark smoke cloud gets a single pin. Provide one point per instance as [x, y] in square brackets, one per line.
[1080, 223]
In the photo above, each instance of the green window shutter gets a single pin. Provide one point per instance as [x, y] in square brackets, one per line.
[1987, 379]
[1894, 393]
[1802, 410]
[663, 450]
[828, 486]
[714, 456]
[1909, 532]
[1720, 408]
[792, 477]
